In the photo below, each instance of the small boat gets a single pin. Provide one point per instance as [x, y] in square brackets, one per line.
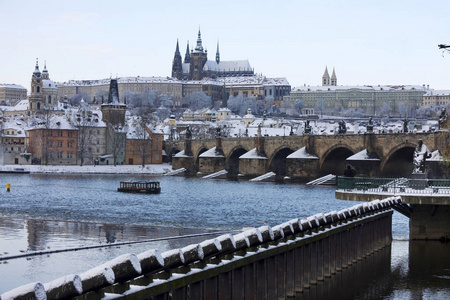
[144, 187]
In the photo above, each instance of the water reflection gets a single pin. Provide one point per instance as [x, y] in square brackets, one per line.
[48, 212]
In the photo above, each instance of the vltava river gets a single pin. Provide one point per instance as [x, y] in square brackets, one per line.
[50, 212]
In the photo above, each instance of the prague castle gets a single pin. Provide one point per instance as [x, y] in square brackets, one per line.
[196, 65]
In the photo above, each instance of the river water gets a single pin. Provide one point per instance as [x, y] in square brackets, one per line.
[45, 212]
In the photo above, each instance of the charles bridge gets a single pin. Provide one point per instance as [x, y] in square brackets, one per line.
[302, 158]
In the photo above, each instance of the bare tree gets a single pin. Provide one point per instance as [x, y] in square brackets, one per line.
[44, 139]
[115, 142]
[85, 124]
[144, 142]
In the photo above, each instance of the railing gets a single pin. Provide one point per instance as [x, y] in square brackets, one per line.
[394, 186]
[261, 263]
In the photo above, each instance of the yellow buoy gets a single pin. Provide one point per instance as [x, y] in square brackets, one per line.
[8, 187]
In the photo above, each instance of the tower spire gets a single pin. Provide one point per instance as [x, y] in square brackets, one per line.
[333, 78]
[199, 47]
[177, 68]
[326, 77]
[187, 56]
[217, 54]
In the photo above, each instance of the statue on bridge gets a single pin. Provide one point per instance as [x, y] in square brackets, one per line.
[307, 127]
[443, 118]
[342, 127]
[218, 132]
[188, 133]
[421, 153]
[405, 126]
[370, 126]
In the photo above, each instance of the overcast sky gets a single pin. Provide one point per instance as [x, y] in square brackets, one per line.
[367, 42]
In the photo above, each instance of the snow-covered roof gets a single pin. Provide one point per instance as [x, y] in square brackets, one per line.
[252, 154]
[302, 153]
[22, 105]
[359, 87]
[211, 153]
[49, 84]
[106, 81]
[181, 154]
[12, 86]
[363, 155]
[437, 93]
[227, 66]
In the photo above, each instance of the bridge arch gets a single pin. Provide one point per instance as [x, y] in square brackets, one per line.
[170, 152]
[197, 158]
[277, 163]
[399, 160]
[334, 160]
[232, 161]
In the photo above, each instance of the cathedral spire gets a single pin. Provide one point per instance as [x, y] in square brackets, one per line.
[177, 67]
[217, 54]
[199, 47]
[187, 56]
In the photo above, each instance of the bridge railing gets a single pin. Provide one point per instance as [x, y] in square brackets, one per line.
[261, 263]
[394, 186]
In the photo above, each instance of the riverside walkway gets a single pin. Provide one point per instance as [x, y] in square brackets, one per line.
[260, 263]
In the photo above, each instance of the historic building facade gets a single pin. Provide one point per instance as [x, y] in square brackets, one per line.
[43, 94]
[437, 97]
[368, 98]
[12, 93]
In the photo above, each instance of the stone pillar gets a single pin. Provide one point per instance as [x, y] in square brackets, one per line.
[430, 222]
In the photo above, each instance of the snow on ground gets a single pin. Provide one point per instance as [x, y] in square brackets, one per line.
[102, 169]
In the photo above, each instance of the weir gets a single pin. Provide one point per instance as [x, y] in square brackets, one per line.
[216, 174]
[175, 172]
[260, 263]
[264, 177]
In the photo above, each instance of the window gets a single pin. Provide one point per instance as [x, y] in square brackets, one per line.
[69, 144]
[59, 155]
[38, 89]
[59, 144]
[69, 133]
[49, 99]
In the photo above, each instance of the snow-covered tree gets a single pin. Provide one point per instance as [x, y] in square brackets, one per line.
[240, 104]
[320, 106]
[196, 101]
[298, 105]
[403, 110]
[76, 99]
[101, 96]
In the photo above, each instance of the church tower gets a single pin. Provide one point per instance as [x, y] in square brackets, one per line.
[217, 54]
[36, 99]
[199, 57]
[177, 67]
[187, 56]
[333, 78]
[326, 78]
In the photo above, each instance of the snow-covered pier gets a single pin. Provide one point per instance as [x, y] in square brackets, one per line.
[264, 263]
[425, 201]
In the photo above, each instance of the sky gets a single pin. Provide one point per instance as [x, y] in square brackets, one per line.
[367, 42]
